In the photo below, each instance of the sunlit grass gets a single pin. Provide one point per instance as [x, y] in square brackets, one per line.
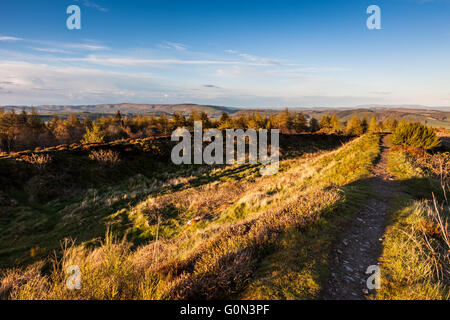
[415, 261]
[209, 240]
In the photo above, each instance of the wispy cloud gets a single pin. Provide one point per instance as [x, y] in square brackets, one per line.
[211, 86]
[67, 47]
[7, 38]
[250, 57]
[49, 50]
[127, 61]
[56, 47]
[90, 72]
[90, 4]
[253, 58]
[84, 46]
[41, 83]
[173, 45]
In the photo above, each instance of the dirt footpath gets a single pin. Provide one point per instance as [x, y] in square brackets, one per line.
[360, 243]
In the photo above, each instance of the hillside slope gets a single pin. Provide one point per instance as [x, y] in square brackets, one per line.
[226, 232]
[205, 240]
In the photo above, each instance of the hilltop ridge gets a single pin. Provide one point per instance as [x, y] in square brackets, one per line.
[437, 117]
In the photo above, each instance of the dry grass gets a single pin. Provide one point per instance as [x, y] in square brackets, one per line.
[436, 164]
[107, 158]
[108, 272]
[40, 161]
[416, 252]
[208, 240]
[415, 262]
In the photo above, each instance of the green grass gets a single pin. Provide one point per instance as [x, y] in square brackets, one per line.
[415, 179]
[241, 222]
[297, 269]
[75, 197]
[415, 262]
[409, 267]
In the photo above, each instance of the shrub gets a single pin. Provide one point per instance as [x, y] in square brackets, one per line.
[93, 135]
[106, 158]
[38, 160]
[415, 135]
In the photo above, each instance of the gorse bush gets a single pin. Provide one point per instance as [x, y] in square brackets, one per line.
[415, 135]
[93, 135]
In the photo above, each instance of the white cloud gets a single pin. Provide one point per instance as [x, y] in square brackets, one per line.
[127, 61]
[173, 45]
[49, 50]
[84, 46]
[253, 58]
[6, 38]
[51, 81]
[90, 4]
[43, 84]
[49, 46]
[81, 73]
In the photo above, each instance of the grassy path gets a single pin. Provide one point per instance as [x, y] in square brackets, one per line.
[360, 244]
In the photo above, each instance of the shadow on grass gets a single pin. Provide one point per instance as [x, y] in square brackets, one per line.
[290, 264]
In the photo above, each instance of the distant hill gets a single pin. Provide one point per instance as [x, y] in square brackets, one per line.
[403, 106]
[439, 117]
[435, 118]
[129, 108]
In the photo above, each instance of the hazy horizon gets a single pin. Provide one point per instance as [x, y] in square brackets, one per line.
[364, 106]
[236, 54]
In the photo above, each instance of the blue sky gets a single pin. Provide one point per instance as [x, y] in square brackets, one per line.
[247, 53]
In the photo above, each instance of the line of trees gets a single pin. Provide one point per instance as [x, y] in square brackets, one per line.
[20, 131]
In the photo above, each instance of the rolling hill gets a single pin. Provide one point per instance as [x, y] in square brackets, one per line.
[439, 117]
[128, 108]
